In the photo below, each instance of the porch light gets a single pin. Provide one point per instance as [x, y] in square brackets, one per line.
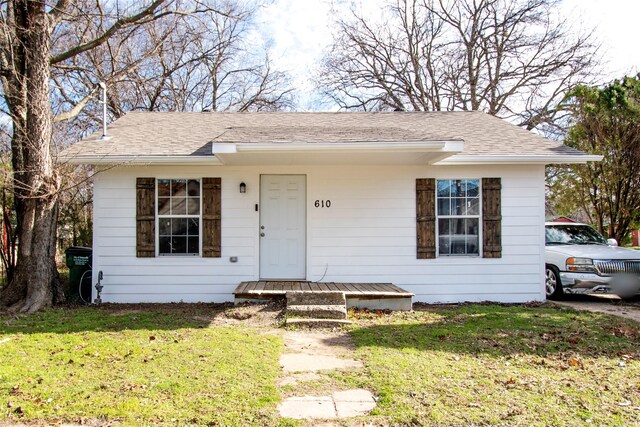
[243, 187]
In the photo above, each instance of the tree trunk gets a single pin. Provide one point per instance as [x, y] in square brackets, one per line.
[35, 284]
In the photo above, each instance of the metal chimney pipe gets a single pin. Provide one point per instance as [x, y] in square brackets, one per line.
[104, 111]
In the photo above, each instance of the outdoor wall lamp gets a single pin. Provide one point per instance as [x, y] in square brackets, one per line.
[243, 187]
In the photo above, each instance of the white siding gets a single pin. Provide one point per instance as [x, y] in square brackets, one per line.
[367, 235]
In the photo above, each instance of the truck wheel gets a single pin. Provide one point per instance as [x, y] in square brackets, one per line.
[553, 285]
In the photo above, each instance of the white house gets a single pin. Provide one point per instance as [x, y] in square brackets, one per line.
[447, 205]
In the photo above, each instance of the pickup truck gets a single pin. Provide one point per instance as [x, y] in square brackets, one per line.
[578, 260]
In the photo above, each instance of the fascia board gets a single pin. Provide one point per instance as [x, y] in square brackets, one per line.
[542, 159]
[141, 160]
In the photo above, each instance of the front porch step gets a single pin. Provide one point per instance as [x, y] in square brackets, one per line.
[316, 308]
[318, 311]
[315, 298]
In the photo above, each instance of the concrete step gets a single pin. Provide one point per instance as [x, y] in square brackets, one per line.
[316, 305]
[321, 323]
[315, 298]
[317, 311]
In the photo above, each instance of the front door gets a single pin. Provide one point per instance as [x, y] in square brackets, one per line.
[282, 227]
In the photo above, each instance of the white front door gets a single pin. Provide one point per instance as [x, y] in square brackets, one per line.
[282, 227]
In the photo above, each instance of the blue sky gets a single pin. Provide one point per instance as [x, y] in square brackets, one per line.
[301, 29]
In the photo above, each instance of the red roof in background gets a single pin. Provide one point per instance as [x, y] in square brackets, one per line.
[562, 219]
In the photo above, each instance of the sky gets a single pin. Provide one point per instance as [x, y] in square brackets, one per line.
[300, 31]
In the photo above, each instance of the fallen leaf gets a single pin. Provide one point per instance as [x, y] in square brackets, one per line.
[575, 362]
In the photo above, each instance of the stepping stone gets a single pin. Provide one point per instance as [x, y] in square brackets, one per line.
[353, 403]
[307, 407]
[341, 404]
[297, 362]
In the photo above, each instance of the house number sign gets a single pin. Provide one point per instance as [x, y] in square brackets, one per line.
[322, 203]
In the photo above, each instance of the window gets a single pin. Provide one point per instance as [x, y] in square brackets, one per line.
[178, 216]
[458, 214]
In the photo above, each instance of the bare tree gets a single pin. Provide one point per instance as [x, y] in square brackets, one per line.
[36, 36]
[189, 63]
[510, 58]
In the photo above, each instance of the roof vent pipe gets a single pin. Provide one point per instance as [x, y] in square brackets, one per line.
[104, 112]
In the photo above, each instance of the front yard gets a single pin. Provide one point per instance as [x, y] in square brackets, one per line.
[207, 364]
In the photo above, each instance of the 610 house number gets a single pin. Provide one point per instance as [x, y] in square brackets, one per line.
[322, 203]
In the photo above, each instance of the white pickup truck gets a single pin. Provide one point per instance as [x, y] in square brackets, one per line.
[580, 261]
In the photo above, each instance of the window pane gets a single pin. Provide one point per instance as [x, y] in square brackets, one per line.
[458, 246]
[165, 245]
[443, 227]
[178, 245]
[443, 188]
[164, 225]
[459, 206]
[193, 245]
[472, 226]
[443, 207]
[444, 247]
[164, 206]
[472, 245]
[163, 188]
[178, 187]
[178, 206]
[194, 188]
[457, 189]
[179, 226]
[193, 227]
[473, 206]
[193, 206]
[473, 187]
[458, 226]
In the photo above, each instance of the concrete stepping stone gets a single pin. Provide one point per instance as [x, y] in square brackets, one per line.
[353, 403]
[307, 407]
[299, 362]
[341, 404]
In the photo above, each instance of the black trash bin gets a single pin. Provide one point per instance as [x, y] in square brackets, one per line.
[79, 260]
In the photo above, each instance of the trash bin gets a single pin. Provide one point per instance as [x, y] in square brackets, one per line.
[79, 260]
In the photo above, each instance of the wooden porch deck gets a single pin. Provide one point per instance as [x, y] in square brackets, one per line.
[383, 296]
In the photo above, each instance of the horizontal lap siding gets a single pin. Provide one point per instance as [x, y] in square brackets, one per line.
[166, 278]
[367, 235]
[370, 235]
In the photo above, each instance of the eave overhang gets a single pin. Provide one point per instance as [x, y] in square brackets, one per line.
[335, 153]
[541, 159]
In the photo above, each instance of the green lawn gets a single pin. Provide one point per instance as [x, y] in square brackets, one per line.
[148, 367]
[444, 366]
[499, 365]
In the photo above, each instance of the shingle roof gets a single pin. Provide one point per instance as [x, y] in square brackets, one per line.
[192, 134]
